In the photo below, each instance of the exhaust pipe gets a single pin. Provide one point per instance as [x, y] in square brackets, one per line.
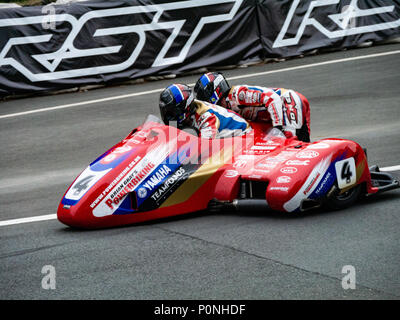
[256, 205]
[239, 205]
[247, 205]
[250, 205]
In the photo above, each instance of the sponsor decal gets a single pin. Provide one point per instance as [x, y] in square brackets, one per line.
[287, 153]
[288, 170]
[268, 143]
[231, 173]
[258, 170]
[255, 176]
[279, 188]
[257, 151]
[168, 184]
[248, 157]
[137, 171]
[309, 185]
[327, 181]
[292, 109]
[157, 177]
[263, 147]
[240, 164]
[150, 183]
[142, 192]
[323, 184]
[283, 179]
[266, 164]
[276, 159]
[297, 162]
[115, 181]
[307, 154]
[128, 185]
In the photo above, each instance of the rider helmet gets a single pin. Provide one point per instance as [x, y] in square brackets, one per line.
[211, 87]
[176, 103]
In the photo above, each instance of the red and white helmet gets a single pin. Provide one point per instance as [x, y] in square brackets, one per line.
[211, 87]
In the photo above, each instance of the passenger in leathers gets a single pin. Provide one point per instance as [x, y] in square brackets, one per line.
[177, 103]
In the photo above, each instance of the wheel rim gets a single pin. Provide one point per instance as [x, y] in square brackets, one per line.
[345, 195]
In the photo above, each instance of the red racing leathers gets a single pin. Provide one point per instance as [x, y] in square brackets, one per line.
[282, 107]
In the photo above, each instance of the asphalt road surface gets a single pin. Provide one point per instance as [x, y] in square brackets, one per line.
[202, 255]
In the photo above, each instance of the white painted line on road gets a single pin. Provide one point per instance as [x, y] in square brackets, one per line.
[130, 95]
[54, 216]
[27, 220]
[77, 104]
[393, 168]
[316, 64]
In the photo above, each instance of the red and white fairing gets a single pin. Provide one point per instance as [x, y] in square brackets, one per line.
[159, 171]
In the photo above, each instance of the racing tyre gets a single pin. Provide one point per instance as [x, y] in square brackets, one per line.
[337, 200]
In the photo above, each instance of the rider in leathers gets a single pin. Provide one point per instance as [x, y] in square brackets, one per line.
[177, 103]
[286, 109]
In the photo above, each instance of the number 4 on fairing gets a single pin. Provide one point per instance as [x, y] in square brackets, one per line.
[82, 185]
[346, 172]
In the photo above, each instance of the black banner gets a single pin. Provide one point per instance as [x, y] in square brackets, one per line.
[96, 42]
[291, 28]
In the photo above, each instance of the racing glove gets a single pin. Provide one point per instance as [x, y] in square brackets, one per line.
[288, 134]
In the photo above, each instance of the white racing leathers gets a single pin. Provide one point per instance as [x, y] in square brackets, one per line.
[282, 107]
[212, 121]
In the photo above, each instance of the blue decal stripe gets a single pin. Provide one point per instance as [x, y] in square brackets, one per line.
[327, 181]
[204, 80]
[256, 89]
[171, 162]
[177, 93]
[98, 166]
[228, 123]
[214, 97]
[69, 201]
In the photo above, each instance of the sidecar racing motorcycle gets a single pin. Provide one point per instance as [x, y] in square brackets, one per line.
[160, 171]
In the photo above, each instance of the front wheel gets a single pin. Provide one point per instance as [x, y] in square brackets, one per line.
[337, 200]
